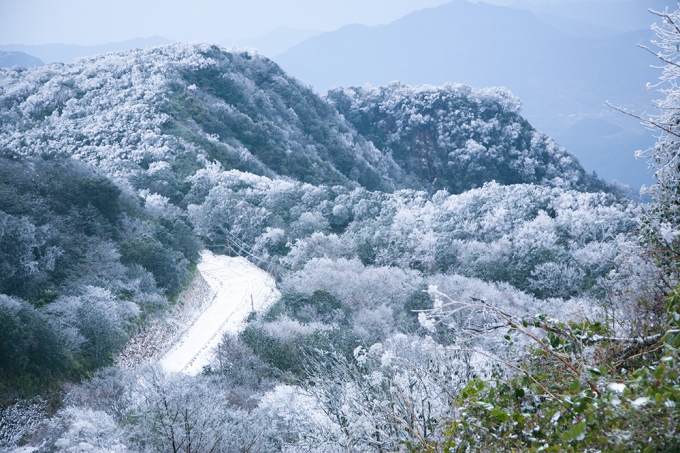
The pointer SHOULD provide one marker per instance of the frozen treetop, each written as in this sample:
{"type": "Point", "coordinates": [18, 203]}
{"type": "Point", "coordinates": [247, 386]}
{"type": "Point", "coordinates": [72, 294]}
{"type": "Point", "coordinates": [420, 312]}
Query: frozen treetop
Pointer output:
{"type": "Point", "coordinates": [182, 105]}
{"type": "Point", "coordinates": [174, 109]}
{"type": "Point", "coordinates": [456, 137]}
{"type": "Point", "coordinates": [397, 93]}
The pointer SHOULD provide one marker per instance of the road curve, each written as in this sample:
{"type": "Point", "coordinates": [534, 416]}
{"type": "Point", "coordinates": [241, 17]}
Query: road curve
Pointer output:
{"type": "Point", "coordinates": [239, 287]}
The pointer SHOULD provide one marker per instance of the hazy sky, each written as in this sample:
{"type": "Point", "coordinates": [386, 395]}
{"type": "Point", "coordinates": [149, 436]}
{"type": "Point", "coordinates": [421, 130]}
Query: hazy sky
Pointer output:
{"type": "Point", "coordinates": [99, 21]}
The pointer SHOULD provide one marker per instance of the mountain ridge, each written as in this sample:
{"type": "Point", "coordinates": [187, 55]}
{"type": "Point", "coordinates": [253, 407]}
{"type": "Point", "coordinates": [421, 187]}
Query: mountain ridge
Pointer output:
{"type": "Point", "coordinates": [179, 107]}
{"type": "Point", "coordinates": [9, 59]}
{"type": "Point", "coordinates": [68, 53]}
{"type": "Point", "coordinates": [560, 78]}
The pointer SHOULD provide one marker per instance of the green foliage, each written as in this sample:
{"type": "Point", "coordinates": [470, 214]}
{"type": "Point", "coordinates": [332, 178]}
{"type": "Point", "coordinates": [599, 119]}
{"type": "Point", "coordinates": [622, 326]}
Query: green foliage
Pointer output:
{"type": "Point", "coordinates": [51, 212]}
{"type": "Point", "coordinates": [262, 111]}
{"type": "Point", "coordinates": [283, 355]}
{"type": "Point", "coordinates": [148, 252]}
{"type": "Point", "coordinates": [31, 348]}
{"type": "Point", "coordinates": [289, 353]}
{"type": "Point", "coordinates": [62, 227]}
{"type": "Point", "coordinates": [80, 193]}
{"type": "Point", "coordinates": [606, 405]}
{"type": "Point", "coordinates": [320, 306]}
{"type": "Point", "coordinates": [240, 367]}
{"type": "Point", "coordinates": [419, 300]}
{"type": "Point", "coordinates": [103, 335]}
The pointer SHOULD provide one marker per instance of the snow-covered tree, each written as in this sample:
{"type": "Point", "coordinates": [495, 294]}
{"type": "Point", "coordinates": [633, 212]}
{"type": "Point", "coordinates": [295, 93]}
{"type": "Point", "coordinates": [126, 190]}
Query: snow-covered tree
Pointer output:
{"type": "Point", "coordinates": [662, 226]}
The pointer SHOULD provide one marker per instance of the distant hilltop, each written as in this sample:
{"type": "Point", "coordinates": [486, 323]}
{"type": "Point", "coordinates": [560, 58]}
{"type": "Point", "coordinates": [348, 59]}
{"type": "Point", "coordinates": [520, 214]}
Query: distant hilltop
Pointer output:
{"type": "Point", "coordinates": [68, 53]}
{"type": "Point", "coordinates": [183, 105]}
{"type": "Point", "coordinates": [563, 78]}
{"type": "Point", "coordinates": [11, 59]}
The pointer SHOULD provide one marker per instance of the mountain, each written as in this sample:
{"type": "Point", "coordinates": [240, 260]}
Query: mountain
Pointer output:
{"type": "Point", "coordinates": [623, 16]}
{"type": "Point", "coordinates": [67, 53]}
{"type": "Point", "coordinates": [607, 146]}
{"type": "Point", "coordinates": [575, 27]}
{"type": "Point", "coordinates": [560, 78]}
{"type": "Point", "coordinates": [277, 41]}
{"type": "Point", "coordinates": [184, 106]}
{"type": "Point", "coordinates": [154, 117]}
{"type": "Point", "coordinates": [456, 138]}
{"type": "Point", "coordinates": [9, 59]}
{"type": "Point", "coordinates": [458, 43]}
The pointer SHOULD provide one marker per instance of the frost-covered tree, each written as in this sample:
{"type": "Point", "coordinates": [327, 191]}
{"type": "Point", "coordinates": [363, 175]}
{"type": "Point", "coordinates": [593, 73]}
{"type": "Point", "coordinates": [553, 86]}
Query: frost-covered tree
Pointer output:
{"type": "Point", "coordinates": [154, 117]}
{"type": "Point", "coordinates": [455, 137]}
{"type": "Point", "coordinates": [661, 229]}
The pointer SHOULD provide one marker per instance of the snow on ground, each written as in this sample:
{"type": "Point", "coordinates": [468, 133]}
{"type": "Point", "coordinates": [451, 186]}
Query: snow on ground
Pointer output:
{"type": "Point", "coordinates": [239, 288]}
{"type": "Point", "coordinates": [161, 333]}
{"type": "Point", "coordinates": [217, 301]}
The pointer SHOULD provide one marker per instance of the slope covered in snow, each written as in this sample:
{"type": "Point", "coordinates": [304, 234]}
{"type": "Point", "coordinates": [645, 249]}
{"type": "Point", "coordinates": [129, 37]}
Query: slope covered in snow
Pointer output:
{"type": "Point", "coordinates": [169, 110]}
{"type": "Point", "coordinates": [456, 138]}
{"type": "Point", "coordinates": [152, 118]}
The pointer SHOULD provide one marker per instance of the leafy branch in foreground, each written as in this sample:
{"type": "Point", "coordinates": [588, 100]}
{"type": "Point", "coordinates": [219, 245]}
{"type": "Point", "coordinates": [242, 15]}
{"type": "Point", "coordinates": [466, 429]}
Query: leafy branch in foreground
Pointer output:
{"type": "Point", "coordinates": [584, 386]}
{"type": "Point", "coordinates": [570, 393]}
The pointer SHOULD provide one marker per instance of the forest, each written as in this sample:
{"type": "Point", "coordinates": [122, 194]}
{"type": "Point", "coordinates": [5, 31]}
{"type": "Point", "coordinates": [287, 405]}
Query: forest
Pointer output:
{"type": "Point", "coordinates": [451, 279]}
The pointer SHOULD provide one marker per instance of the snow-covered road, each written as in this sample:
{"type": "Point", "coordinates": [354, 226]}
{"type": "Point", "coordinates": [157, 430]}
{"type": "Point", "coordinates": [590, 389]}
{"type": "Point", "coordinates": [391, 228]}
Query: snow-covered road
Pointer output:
{"type": "Point", "coordinates": [239, 287]}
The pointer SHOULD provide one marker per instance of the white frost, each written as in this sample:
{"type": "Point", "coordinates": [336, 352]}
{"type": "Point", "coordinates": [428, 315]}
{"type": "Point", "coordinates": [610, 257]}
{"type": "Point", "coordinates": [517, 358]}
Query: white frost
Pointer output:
{"type": "Point", "coordinates": [617, 387]}
{"type": "Point", "coordinates": [640, 402]}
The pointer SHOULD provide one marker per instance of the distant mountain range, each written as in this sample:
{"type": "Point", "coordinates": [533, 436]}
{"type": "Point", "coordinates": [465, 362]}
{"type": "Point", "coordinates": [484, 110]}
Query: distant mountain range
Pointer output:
{"type": "Point", "coordinates": [276, 41]}
{"type": "Point", "coordinates": [10, 59]}
{"type": "Point", "coordinates": [562, 79]}
{"type": "Point", "coordinates": [67, 53]}
{"type": "Point", "coordinates": [269, 44]}
{"type": "Point", "coordinates": [621, 16]}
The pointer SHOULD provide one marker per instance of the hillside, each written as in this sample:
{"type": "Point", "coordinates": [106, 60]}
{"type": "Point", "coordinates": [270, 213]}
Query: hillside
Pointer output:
{"type": "Point", "coordinates": [140, 113]}
{"type": "Point", "coordinates": [560, 78]}
{"type": "Point", "coordinates": [457, 138]}
{"type": "Point", "coordinates": [169, 111]}
{"type": "Point", "coordinates": [414, 234]}
{"type": "Point", "coordinates": [82, 265]}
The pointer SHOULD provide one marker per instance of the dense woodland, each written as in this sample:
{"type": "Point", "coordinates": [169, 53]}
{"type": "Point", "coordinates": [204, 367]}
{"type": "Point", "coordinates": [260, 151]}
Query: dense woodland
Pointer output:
{"type": "Point", "coordinates": [451, 278]}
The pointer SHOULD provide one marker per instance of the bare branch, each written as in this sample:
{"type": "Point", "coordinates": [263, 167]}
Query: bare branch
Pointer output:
{"type": "Point", "coordinates": [645, 120]}
{"type": "Point", "coordinates": [521, 370]}
{"type": "Point", "coordinates": [659, 56]}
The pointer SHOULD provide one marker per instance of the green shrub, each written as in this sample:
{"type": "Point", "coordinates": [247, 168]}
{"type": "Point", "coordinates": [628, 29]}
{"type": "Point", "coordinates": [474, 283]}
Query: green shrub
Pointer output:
{"type": "Point", "coordinates": [284, 355]}
{"type": "Point", "coordinates": [167, 266]}
{"type": "Point", "coordinates": [31, 348]}
{"type": "Point", "coordinates": [559, 400]}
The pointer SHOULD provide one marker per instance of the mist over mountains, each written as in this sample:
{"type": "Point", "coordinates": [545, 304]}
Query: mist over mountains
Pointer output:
{"type": "Point", "coordinates": [67, 53]}
{"type": "Point", "coordinates": [561, 79]}
{"type": "Point", "coordinates": [9, 59]}
{"type": "Point", "coordinates": [617, 17]}
{"type": "Point", "coordinates": [274, 42]}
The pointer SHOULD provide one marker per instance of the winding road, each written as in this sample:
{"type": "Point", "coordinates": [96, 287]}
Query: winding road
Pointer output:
{"type": "Point", "coordinates": [239, 288]}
